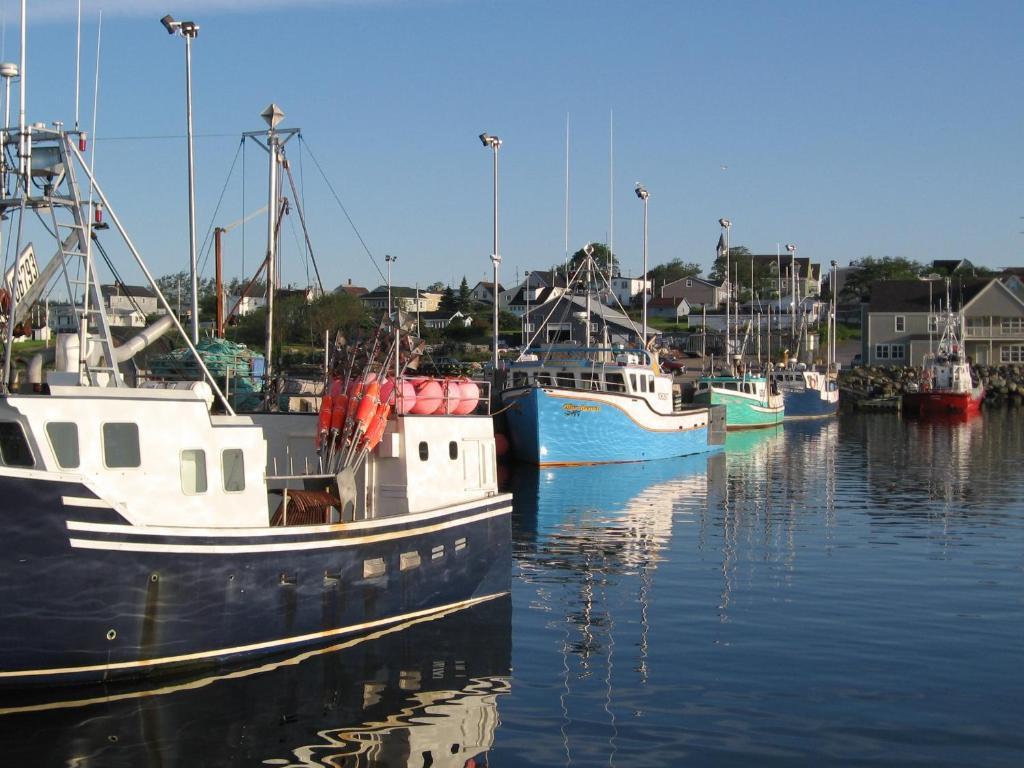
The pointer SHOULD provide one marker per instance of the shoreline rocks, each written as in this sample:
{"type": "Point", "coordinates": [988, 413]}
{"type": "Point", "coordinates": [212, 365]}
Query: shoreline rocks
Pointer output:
{"type": "Point", "coordinates": [1004, 384]}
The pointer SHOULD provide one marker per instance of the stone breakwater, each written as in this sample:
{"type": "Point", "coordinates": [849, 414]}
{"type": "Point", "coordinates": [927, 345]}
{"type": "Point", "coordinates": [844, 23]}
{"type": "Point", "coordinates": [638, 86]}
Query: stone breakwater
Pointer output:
{"type": "Point", "coordinates": [1004, 384]}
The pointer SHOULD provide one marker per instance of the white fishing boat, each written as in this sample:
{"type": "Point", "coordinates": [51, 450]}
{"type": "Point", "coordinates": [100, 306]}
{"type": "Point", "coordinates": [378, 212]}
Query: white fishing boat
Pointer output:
{"type": "Point", "coordinates": [148, 528]}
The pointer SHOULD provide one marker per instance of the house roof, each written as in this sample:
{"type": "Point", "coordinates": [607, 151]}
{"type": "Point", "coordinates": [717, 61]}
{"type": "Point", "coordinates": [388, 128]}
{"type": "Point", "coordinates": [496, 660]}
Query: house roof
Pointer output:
{"type": "Point", "coordinates": [805, 268]}
{"type": "Point", "coordinates": [665, 301]}
{"type": "Point", "coordinates": [951, 265]}
{"type": "Point", "coordinates": [138, 291]}
{"type": "Point", "coordinates": [489, 286]}
{"type": "Point", "coordinates": [912, 295]}
{"type": "Point", "coordinates": [399, 291]}
{"type": "Point", "coordinates": [551, 279]}
{"type": "Point", "coordinates": [694, 278]}
{"type": "Point", "coordinates": [440, 314]}
{"type": "Point", "coordinates": [352, 290]}
{"type": "Point", "coordinates": [543, 296]}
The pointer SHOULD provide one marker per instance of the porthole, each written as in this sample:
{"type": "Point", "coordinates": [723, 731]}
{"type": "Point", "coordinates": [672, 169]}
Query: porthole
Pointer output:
{"type": "Point", "coordinates": [424, 451]}
{"type": "Point", "coordinates": [453, 450]}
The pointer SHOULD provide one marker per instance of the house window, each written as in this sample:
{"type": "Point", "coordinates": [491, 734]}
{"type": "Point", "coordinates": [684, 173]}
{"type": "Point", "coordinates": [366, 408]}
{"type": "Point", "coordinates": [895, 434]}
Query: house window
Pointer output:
{"type": "Point", "coordinates": [890, 351]}
{"type": "Point", "coordinates": [689, 283]}
{"type": "Point", "coordinates": [63, 437]}
{"type": "Point", "coordinates": [1012, 326]}
{"type": "Point", "coordinates": [232, 466]}
{"type": "Point", "coordinates": [933, 323]}
{"type": "Point", "coordinates": [1012, 353]}
{"type": "Point", "coordinates": [901, 323]}
{"type": "Point", "coordinates": [13, 446]}
{"type": "Point", "coordinates": [121, 445]}
{"type": "Point", "coordinates": [193, 471]}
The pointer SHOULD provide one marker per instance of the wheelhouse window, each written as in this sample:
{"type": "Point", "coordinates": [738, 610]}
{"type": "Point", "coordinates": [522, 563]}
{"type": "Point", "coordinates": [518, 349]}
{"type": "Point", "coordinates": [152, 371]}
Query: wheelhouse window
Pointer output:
{"type": "Point", "coordinates": [614, 382]}
{"type": "Point", "coordinates": [63, 437]}
{"type": "Point", "coordinates": [121, 445]}
{"type": "Point", "coordinates": [632, 382]}
{"type": "Point", "coordinates": [519, 379]}
{"type": "Point", "coordinates": [13, 446]}
{"type": "Point", "coordinates": [232, 463]}
{"type": "Point", "coordinates": [193, 471]}
{"type": "Point", "coordinates": [543, 379]}
{"type": "Point", "coordinates": [565, 379]}
{"type": "Point", "coordinates": [590, 380]}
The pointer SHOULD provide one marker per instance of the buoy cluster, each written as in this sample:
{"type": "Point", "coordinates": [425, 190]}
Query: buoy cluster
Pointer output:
{"type": "Point", "coordinates": [366, 384]}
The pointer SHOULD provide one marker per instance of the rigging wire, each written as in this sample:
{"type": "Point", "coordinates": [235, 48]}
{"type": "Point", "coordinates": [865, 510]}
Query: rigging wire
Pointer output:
{"type": "Point", "coordinates": [206, 240]}
{"type": "Point", "coordinates": [343, 209]}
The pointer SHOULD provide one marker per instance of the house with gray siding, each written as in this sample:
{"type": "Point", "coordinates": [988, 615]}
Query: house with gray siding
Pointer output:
{"type": "Point", "coordinates": [697, 291]}
{"type": "Point", "coordinates": [904, 318]}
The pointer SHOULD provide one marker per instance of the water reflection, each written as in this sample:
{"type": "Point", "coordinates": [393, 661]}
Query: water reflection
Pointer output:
{"type": "Point", "coordinates": [420, 694]}
{"type": "Point", "coordinates": [840, 591]}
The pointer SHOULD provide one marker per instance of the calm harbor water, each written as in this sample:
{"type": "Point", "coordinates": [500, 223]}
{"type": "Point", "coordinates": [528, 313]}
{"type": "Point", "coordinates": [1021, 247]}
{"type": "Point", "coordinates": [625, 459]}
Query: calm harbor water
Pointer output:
{"type": "Point", "coordinates": [848, 593]}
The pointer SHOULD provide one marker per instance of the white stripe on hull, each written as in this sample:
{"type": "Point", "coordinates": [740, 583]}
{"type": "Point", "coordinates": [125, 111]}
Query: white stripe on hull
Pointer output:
{"type": "Point", "coordinates": [294, 546]}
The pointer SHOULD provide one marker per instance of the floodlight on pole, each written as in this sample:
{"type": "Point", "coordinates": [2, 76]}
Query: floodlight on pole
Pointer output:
{"type": "Point", "coordinates": [643, 194]}
{"type": "Point", "coordinates": [189, 30]}
{"type": "Point", "coordinates": [494, 143]}
{"type": "Point", "coordinates": [390, 260]}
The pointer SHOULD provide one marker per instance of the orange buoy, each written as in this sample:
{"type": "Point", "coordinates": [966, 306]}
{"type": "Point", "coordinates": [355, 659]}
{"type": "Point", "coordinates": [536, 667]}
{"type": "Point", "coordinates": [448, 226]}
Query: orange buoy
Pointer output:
{"type": "Point", "coordinates": [368, 405]}
{"type": "Point", "coordinates": [338, 411]}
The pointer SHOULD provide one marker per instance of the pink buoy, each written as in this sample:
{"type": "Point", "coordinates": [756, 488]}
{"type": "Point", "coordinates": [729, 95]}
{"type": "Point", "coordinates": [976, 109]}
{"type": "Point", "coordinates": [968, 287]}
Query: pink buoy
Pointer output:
{"type": "Point", "coordinates": [406, 398]}
{"type": "Point", "coordinates": [470, 397]}
{"type": "Point", "coordinates": [428, 397]}
{"type": "Point", "coordinates": [386, 389]}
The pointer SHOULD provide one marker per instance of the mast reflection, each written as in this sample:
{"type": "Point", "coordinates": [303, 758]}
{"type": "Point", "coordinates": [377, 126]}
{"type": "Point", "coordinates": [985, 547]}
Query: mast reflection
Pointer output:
{"type": "Point", "coordinates": [422, 693]}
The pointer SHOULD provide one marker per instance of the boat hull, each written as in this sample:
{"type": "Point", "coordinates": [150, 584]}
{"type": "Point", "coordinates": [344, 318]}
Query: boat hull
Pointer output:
{"type": "Point", "coordinates": [561, 427]}
{"type": "Point", "coordinates": [938, 402]}
{"type": "Point", "coordinates": [807, 403]}
{"type": "Point", "coordinates": [743, 412]}
{"type": "Point", "coordinates": [87, 597]}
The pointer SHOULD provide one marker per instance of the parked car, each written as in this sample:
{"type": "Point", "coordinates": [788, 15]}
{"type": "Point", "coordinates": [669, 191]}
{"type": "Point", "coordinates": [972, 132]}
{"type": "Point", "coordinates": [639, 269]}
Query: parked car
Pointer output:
{"type": "Point", "coordinates": [672, 364]}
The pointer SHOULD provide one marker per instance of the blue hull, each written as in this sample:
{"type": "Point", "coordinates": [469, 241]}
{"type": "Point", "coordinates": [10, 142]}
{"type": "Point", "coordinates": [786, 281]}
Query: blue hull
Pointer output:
{"type": "Point", "coordinates": [86, 597]}
{"type": "Point", "coordinates": [808, 404]}
{"type": "Point", "coordinates": [570, 430]}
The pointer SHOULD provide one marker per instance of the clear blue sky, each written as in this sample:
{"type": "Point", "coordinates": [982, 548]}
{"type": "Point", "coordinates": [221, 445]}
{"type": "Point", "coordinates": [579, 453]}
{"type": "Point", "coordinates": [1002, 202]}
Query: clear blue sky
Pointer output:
{"type": "Point", "coordinates": [850, 129]}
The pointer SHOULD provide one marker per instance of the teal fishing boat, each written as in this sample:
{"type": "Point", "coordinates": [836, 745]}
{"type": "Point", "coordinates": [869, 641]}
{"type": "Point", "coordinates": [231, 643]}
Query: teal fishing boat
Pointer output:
{"type": "Point", "coordinates": [750, 401]}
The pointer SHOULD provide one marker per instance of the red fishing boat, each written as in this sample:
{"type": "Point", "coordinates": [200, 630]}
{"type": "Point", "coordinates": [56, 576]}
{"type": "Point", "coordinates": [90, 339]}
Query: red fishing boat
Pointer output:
{"type": "Point", "coordinates": [947, 383]}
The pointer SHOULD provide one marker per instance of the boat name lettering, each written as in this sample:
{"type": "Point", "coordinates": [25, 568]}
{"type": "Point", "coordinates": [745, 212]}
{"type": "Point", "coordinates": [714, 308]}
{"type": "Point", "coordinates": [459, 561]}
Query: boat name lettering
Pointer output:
{"type": "Point", "coordinates": [572, 409]}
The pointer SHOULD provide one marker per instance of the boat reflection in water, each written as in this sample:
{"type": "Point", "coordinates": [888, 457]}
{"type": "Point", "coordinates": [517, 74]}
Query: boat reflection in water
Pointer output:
{"type": "Point", "coordinates": [422, 693]}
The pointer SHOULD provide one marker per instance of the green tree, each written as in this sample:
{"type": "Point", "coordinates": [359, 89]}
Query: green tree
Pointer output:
{"type": "Point", "coordinates": [449, 302]}
{"type": "Point", "coordinates": [437, 287]}
{"type": "Point", "coordinates": [673, 270]}
{"type": "Point", "coordinates": [869, 269]}
{"type": "Point", "coordinates": [600, 254]}
{"type": "Point", "coordinates": [736, 254]}
{"type": "Point", "coordinates": [465, 299]}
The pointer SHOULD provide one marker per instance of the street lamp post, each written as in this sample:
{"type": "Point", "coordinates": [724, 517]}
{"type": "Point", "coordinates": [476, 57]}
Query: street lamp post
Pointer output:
{"type": "Point", "coordinates": [189, 30]}
{"type": "Point", "coordinates": [643, 194]}
{"type": "Point", "coordinates": [726, 224]}
{"type": "Point", "coordinates": [792, 290]}
{"type": "Point", "coordinates": [390, 260]}
{"type": "Point", "coordinates": [494, 143]}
